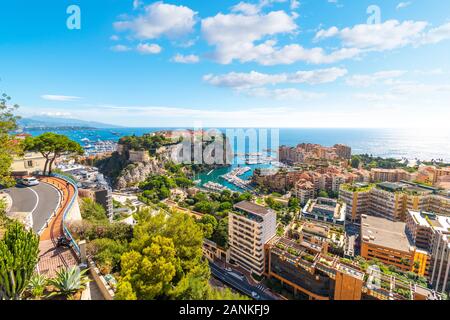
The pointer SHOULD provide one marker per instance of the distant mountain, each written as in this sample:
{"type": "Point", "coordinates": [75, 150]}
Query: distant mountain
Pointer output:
{"type": "Point", "coordinates": [57, 122]}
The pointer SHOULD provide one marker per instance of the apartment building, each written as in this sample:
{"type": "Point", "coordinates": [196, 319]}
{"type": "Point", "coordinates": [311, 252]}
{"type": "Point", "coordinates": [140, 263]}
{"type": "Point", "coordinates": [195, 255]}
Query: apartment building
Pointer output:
{"type": "Point", "coordinates": [357, 199]}
{"type": "Point", "coordinates": [389, 175]}
{"type": "Point", "coordinates": [392, 200]}
{"type": "Point", "coordinates": [304, 190]}
{"type": "Point", "coordinates": [307, 151]}
{"type": "Point", "coordinates": [310, 274]}
{"type": "Point", "coordinates": [343, 151]}
{"type": "Point", "coordinates": [440, 265]}
{"type": "Point", "coordinates": [389, 242]}
{"type": "Point", "coordinates": [312, 233]}
{"type": "Point", "coordinates": [326, 210]}
{"type": "Point", "coordinates": [431, 232]}
{"type": "Point", "coordinates": [250, 227]}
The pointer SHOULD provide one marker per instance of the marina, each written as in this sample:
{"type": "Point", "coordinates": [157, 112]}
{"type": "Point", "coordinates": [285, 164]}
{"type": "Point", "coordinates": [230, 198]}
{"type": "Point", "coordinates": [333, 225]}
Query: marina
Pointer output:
{"type": "Point", "coordinates": [233, 178]}
{"type": "Point", "coordinates": [215, 186]}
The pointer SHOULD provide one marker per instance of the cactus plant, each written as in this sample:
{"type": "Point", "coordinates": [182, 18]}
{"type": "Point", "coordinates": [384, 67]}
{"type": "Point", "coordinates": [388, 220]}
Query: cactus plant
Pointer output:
{"type": "Point", "coordinates": [19, 250]}
{"type": "Point", "coordinates": [69, 281]}
{"type": "Point", "coordinates": [36, 286]}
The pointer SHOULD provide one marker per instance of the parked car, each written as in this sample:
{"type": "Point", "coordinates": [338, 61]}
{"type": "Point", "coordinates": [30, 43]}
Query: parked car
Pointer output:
{"type": "Point", "coordinates": [29, 181]}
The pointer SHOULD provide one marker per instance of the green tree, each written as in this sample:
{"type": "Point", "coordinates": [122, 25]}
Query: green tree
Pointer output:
{"type": "Point", "coordinates": [225, 294]}
{"type": "Point", "coordinates": [294, 203]}
{"type": "Point", "coordinates": [220, 234]}
{"type": "Point", "coordinates": [323, 194]}
{"type": "Point", "coordinates": [52, 146]}
{"type": "Point", "coordinates": [8, 147]}
{"type": "Point", "coordinates": [165, 261]}
{"type": "Point", "coordinates": [209, 224]}
{"type": "Point", "coordinates": [19, 251]}
{"type": "Point", "coordinates": [92, 211]}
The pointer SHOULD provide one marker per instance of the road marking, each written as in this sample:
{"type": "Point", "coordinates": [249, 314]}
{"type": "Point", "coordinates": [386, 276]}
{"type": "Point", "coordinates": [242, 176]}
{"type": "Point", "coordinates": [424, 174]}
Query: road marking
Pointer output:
{"type": "Point", "coordinates": [37, 200]}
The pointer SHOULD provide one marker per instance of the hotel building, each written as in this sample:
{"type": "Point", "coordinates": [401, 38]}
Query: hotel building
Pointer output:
{"type": "Point", "coordinates": [250, 227]}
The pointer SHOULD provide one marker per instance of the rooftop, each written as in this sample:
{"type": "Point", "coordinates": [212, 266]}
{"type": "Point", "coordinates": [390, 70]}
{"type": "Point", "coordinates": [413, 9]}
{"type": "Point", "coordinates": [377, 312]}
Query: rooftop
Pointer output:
{"type": "Point", "coordinates": [385, 233]}
{"type": "Point", "coordinates": [431, 220]}
{"type": "Point", "coordinates": [405, 187]}
{"type": "Point", "coordinates": [253, 208]}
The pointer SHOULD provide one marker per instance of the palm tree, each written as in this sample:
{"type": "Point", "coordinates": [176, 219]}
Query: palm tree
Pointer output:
{"type": "Point", "coordinates": [69, 281]}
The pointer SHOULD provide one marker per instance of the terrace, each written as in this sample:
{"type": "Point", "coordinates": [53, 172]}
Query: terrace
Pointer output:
{"type": "Point", "coordinates": [389, 285]}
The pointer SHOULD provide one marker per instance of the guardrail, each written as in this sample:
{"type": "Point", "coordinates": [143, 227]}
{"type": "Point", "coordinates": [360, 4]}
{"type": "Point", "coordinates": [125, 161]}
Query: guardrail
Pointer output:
{"type": "Point", "coordinates": [67, 210]}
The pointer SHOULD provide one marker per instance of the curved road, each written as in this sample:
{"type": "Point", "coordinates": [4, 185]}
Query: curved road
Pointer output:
{"type": "Point", "coordinates": [41, 201]}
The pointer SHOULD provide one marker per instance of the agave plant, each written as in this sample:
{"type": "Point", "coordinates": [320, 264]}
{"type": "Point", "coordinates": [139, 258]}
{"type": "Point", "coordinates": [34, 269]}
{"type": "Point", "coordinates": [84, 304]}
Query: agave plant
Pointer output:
{"type": "Point", "coordinates": [36, 286]}
{"type": "Point", "coordinates": [69, 281]}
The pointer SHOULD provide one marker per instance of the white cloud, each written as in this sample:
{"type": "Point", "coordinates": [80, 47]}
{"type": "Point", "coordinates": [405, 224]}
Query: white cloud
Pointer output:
{"type": "Point", "coordinates": [192, 58]}
{"type": "Point", "coordinates": [295, 4]}
{"type": "Point", "coordinates": [437, 34]}
{"type": "Point", "coordinates": [257, 79]}
{"type": "Point", "coordinates": [148, 48]}
{"type": "Point", "coordinates": [389, 35]}
{"type": "Point", "coordinates": [281, 94]}
{"type": "Point", "coordinates": [114, 38]}
{"type": "Point", "coordinates": [244, 80]}
{"type": "Point", "coordinates": [246, 8]}
{"type": "Point", "coordinates": [136, 4]}
{"type": "Point", "coordinates": [387, 77]}
{"type": "Point", "coordinates": [56, 114]}
{"type": "Point", "coordinates": [160, 19]}
{"type": "Point", "coordinates": [61, 98]}
{"type": "Point", "coordinates": [403, 5]}
{"type": "Point", "coordinates": [235, 37]}
{"type": "Point", "coordinates": [120, 48]}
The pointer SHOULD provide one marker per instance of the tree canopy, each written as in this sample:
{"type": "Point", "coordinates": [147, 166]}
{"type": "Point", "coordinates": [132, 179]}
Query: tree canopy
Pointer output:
{"type": "Point", "coordinates": [52, 146]}
{"type": "Point", "coordinates": [8, 147]}
{"type": "Point", "coordinates": [165, 260]}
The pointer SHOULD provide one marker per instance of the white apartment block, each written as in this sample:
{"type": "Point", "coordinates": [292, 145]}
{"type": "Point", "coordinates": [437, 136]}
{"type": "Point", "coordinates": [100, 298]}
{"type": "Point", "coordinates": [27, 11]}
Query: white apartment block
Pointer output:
{"type": "Point", "coordinates": [250, 227]}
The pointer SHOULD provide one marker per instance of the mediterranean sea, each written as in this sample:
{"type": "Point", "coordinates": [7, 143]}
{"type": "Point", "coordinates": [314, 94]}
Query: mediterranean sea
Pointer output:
{"type": "Point", "coordinates": [409, 144]}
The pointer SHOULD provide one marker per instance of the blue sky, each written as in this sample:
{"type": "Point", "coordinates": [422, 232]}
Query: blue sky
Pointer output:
{"type": "Point", "coordinates": [266, 63]}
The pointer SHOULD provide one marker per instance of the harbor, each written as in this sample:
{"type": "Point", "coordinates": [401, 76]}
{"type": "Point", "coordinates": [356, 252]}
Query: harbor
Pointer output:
{"type": "Point", "coordinates": [233, 177]}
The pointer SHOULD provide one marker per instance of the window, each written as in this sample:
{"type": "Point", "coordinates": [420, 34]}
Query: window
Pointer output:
{"type": "Point", "coordinates": [30, 163]}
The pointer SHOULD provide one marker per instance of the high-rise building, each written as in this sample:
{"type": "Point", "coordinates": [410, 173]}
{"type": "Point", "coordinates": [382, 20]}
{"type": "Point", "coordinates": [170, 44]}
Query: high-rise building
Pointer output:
{"type": "Point", "coordinates": [431, 232]}
{"type": "Point", "coordinates": [250, 227]}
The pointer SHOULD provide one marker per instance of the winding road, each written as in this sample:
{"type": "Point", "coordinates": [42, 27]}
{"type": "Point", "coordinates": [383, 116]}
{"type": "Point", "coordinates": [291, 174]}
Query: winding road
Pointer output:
{"type": "Point", "coordinates": [40, 200]}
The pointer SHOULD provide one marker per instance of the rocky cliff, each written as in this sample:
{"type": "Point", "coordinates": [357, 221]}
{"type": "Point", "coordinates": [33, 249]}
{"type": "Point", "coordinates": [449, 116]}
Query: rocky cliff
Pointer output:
{"type": "Point", "coordinates": [135, 173]}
